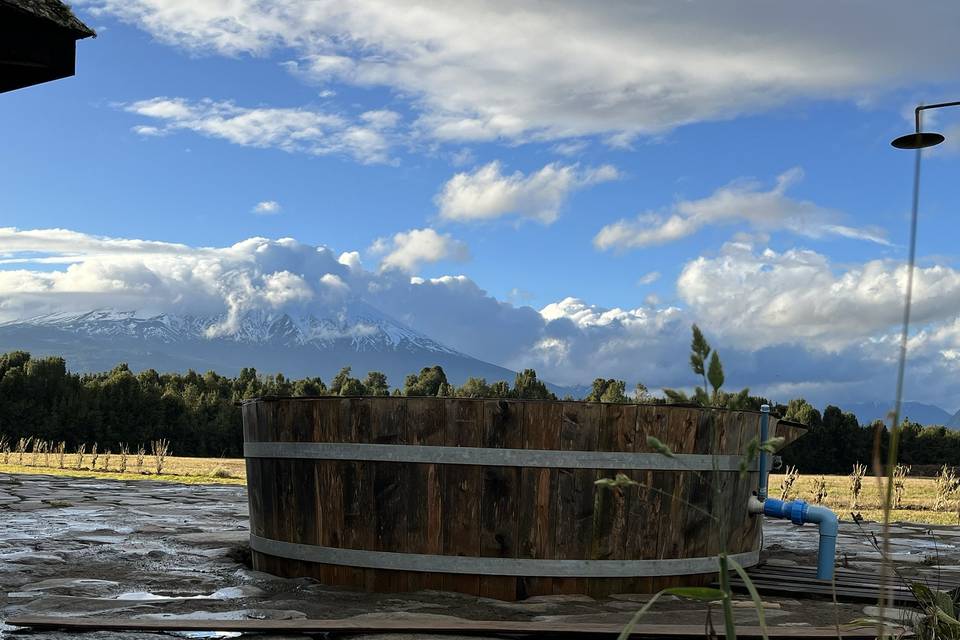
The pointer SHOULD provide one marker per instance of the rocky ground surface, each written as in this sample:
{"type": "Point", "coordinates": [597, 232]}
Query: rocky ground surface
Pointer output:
{"type": "Point", "coordinates": [87, 547]}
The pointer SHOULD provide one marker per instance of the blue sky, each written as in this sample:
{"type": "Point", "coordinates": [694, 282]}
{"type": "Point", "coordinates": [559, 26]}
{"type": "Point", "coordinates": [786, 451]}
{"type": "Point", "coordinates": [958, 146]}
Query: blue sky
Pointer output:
{"type": "Point", "coordinates": [620, 158]}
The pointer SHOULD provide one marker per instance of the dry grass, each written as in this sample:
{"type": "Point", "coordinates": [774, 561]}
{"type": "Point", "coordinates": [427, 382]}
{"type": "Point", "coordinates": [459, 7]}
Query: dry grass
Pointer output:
{"type": "Point", "coordinates": [175, 469]}
{"type": "Point", "coordinates": [917, 503]}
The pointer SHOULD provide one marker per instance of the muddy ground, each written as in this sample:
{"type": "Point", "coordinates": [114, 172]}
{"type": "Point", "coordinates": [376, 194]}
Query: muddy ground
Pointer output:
{"type": "Point", "coordinates": [87, 547]}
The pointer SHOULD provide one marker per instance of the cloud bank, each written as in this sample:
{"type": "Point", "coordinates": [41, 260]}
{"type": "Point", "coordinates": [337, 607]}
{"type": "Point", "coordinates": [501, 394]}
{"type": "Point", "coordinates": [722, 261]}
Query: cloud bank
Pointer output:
{"type": "Point", "coordinates": [786, 323]}
{"type": "Point", "coordinates": [616, 71]}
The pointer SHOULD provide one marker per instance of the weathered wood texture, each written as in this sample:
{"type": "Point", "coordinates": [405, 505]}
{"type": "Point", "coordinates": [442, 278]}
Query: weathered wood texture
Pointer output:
{"type": "Point", "coordinates": [421, 626]}
{"type": "Point", "coordinates": [493, 511]}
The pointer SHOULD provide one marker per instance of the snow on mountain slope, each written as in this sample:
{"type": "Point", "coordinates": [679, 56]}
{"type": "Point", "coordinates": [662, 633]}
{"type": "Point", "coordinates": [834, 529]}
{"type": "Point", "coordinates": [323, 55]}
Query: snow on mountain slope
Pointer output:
{"type": "Point", "coordinates": [358, 325]}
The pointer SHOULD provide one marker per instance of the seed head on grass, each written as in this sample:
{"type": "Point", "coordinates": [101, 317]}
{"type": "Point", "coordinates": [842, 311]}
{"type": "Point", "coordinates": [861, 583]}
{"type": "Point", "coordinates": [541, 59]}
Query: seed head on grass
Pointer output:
{"type": "Point", "coordinates": [106, 460]}
{"type": "Point", "coordinates": [5, 448]}
{"type": "Point", "coordinates": [140, 453]}
{"type": "Point", "coordinates": [93, 457]}
{"type": "Point", "coordinates": [61, 453]}
{"type": "Point", "coordinates": [81, 450]}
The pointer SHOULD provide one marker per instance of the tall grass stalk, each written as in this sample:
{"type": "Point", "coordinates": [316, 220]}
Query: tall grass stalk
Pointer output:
{"type": "Point", "coordinates": [856, 484]}
{"type": "Point", "coordinates": [124, 454]}
{"type": "Point", "coordinates": [22, 445]}
{"type": "Point", "coordinates": [159, 449]}
{"type": "Point", "coordinates": [790, 477]}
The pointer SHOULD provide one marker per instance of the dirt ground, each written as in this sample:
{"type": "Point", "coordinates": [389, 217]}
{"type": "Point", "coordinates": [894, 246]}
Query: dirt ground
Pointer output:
{"type": "Point", "coordinates": [94, 547]}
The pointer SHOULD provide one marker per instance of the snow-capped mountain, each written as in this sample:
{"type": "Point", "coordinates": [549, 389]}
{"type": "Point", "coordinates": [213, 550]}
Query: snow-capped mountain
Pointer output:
{"type": "Point", "coordinates": [296, 344]}
{"type": "Point", "coordinates": [365, 328]}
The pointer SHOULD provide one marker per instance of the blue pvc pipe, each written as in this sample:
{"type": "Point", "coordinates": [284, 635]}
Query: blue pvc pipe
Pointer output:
{"type": "Point", "coordinates": [799, 512]}
{"type": "Point", "coordinates": [764, 436]}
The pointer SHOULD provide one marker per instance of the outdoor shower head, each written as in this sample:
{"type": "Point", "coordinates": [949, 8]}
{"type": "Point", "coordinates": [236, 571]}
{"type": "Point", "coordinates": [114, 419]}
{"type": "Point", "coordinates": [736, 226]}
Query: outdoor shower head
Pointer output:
{"type": "Point", "coordinates": [922, 139]}
{"type": "Point", "coordinates": [918, 140]}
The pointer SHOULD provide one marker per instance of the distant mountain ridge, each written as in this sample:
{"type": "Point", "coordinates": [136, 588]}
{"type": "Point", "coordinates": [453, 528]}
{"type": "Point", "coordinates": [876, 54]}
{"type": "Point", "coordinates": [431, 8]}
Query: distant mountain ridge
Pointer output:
{"type": "Point", "coordinates": [297, 345]}
{"type": "Point", "coordinates": [925, 414]}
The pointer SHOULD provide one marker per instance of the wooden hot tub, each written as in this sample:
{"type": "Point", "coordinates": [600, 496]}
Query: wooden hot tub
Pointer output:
{"type": "Point", "coordinates": [496, 497]}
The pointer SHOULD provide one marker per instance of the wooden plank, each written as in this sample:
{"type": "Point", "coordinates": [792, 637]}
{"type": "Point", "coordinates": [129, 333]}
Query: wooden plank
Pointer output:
{"type": "Point", "coordinates": [391, 482]}
{"type": "Point", "coordinates": [428, 625]}
{"type": "Point", "coordinates": [499, 504]}
{"type": "Point", "coordinates": [620, 520]}
{"type": "Point", "coordinates": [579, 428]}
{"type": "Point", "coordinates": [536, 526]}
{"type": "Point", "coordinates": [462, 486]}
{"type": "Point", "coordinates": [357, 477]}
{"type": "Point", "coordinates": [426, 425]}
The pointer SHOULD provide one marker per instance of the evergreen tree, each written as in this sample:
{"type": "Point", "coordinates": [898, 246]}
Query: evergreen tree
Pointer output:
{"type": "Point", "coordinates": [526, 386]}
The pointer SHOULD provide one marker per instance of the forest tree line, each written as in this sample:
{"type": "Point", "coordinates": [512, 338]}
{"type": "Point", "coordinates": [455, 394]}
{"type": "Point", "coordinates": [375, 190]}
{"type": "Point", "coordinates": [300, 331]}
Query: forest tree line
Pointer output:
{"type": "Point", "coordinates": [199, 415]}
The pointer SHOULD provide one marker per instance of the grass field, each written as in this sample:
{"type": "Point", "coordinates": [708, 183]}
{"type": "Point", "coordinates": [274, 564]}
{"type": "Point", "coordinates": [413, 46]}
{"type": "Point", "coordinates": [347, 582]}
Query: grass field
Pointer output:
{"type": "Point", "coordinates": [917, 503]}
{"type": "Point", "coordinates": [175, 469]}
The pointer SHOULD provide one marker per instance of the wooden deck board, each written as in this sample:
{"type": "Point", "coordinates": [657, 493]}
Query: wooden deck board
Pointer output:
{"type": "Point", "coordinates": [427, 625]}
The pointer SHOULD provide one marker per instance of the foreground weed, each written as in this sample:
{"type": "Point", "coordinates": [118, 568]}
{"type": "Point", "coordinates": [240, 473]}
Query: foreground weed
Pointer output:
{"type": "Point", "coordinates": [81, 451]}
{"type": "Point", "coordinates": [61, 453]}
{"type": "Point", "coordinates": [4, 448]}
{"type": "Point", "coordinates": [140, 453]}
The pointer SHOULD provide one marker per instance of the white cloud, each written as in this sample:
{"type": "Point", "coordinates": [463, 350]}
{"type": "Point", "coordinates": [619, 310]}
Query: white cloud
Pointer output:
{"type": "Point", "coordinates": [487, 193]}
{"type": "Point", "coordinates": [649, 278]}
{"type": "Point", "coordinates": [408, 250]}
{"type": "Point", "coordinates": [616, 70]}
{"type": "Point", "coordinates": [570, 148]}
{"type": "Point", "coordinates": [767, 298]}
{"type": "Point", "coordinates": [267, 207]}
{"type": "Point", "coordinates": [743, 201]}
{"type": "Point", "coordinates": [292, 130]}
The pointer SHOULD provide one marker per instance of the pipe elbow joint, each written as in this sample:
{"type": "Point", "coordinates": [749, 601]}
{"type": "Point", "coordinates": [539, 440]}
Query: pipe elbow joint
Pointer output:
{"type": "Point", "coordinates": [825, 519]}
{"type": "Point", "coordinates": [799, 512]}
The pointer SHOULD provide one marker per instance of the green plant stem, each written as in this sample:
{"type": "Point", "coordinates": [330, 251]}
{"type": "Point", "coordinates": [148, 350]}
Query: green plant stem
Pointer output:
{"type": "Point", "coordinates": [730, 629]}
